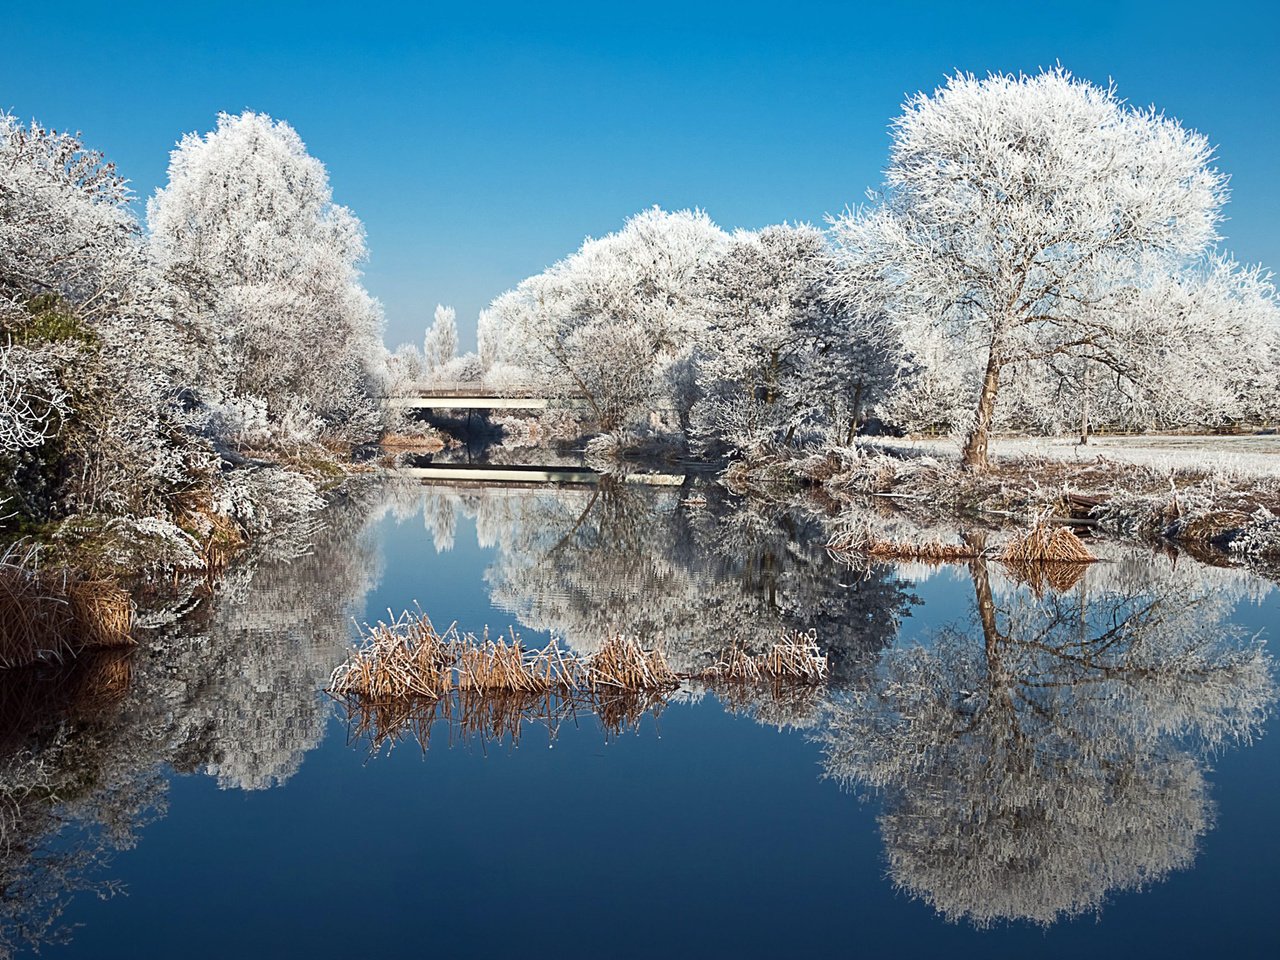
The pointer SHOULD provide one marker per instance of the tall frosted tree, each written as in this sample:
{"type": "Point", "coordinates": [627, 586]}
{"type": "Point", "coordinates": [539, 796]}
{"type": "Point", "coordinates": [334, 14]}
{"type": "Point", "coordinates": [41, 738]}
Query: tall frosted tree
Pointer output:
{"type": "Point", "coordinates": [441, 342]}
{"type": "Point", "coordinates": [1014, 210]}
{"type": "Point", "coordinates": [247, 227]}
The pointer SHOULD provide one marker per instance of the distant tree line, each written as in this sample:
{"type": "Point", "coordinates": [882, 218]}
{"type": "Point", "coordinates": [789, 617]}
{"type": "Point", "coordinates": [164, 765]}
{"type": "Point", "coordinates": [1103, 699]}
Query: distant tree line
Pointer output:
{"type": "Point", "coordinates": [1042, 257]}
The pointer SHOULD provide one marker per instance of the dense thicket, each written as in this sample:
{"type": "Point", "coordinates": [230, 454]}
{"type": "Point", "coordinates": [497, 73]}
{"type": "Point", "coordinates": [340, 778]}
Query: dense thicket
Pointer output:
{"type": "Point", "coordinates": [138, 370]}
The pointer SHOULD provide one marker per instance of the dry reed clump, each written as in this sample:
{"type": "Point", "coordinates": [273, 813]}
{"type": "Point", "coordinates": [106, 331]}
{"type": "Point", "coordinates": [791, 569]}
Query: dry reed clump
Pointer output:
{"type": "Point", "coordinates": [622, 663]}
{"type": "Point", "coordinates": [865, 543]}
{"type": "Point", "coordinates": [51, 614]}
{"type": "Point", "coordinates": [1046, 543]}
{"type": "Point", "coordinates": [795, 658]}
{"type": "Point", "coordinates": [404, 658]}
{"type": "Point", "coordinates": [407, 675]}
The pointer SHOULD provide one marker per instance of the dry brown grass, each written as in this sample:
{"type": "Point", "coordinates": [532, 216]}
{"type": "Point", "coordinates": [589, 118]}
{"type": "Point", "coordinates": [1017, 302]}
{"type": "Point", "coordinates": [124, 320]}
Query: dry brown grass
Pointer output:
{"type": "Point", "coordinates": [406, 676]}
{"type": "Point", "coordinates": [863, 542]}
{"type": "Point", "coordinates": [1046, 543]}
{"type": "Point", "coordinates": [52, 614]}
{"type": "Point", "coordinates": [622, 663]}
{"type": "Point", "coordinates": [401, 659]}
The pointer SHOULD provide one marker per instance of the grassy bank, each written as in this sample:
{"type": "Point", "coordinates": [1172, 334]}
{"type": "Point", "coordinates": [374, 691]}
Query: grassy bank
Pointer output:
{"type": "Point", "coordinates": [1208, 508]}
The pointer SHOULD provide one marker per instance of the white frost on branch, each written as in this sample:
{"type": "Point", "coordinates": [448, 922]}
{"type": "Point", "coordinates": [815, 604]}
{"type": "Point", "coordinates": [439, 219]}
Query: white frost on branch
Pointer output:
{"type": "Point", "coordinates": [32, 402]}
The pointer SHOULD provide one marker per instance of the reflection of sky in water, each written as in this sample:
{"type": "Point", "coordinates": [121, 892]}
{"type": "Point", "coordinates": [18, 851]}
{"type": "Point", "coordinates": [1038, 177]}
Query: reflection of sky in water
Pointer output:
{"type": "Point", "coordinates": [706, 833]}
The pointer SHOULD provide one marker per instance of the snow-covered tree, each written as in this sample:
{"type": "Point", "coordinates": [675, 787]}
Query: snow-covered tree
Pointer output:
{"type": "Point", "coordinates": [781, 353]}
{"type": "Point", "coordinates": [1205, 338]}
{"type": "Point", "coordinates": [90, 350]}
{"type": "Point", "coordinates": [1015, 208]}
{"type": "Point", "coordinates": [631, 296]}
{"type": "Point", "coordinates": [441, 342]}
{"type": "Point", "coordinates": [758, 293]}
{"type": "Point", "coordinates": [488, 339]}
{"type": "Point", "coordinates": [269, 268]}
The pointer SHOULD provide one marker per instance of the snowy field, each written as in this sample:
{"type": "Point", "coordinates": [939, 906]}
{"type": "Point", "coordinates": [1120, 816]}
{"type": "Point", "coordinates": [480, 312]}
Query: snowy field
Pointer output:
{"type": "Point", "coordinates": [1245, 457]}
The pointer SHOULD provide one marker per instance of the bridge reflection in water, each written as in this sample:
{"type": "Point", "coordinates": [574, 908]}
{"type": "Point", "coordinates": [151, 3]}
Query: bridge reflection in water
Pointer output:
{"type": "Point", "coordinates": [521, 475]}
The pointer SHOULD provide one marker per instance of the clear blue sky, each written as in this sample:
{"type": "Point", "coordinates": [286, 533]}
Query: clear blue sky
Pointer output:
{"type": "Point", "coordinates": [480, 142]}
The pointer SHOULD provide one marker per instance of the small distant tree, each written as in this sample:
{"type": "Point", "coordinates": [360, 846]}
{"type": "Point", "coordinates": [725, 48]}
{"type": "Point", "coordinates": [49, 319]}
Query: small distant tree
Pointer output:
{"type": "Point", "coordinates": [441, 342]}
{"type": "Point", "coordinates": [1014, 210]}
{"type": "Point", "coordinates": [488, 339]}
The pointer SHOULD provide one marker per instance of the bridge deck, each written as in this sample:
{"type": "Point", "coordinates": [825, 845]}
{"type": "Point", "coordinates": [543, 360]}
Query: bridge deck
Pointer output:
{"type": "Point", "coordinates": [468, 396]}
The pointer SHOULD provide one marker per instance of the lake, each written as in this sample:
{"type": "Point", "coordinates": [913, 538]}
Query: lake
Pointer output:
{"type": "Point", "coordinates": [1004, 762]}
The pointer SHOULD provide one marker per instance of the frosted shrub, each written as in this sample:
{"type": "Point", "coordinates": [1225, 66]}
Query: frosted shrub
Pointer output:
{"type": "Point", "coordinates": [504, 378]}
{"type": "Point", "coordinates": [159, 545]}
{"type": "Point", "coordinates": [32, 402]}
{"type": "Point", "coordinates": [1260, 537]}
{"type": "Point", "coordinates": [259, 499]}
{"type": "Point", "coordinates": [463, 369]}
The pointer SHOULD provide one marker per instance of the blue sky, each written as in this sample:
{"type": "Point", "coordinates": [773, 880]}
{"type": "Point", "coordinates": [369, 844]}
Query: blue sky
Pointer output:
{"type": "Point", "coordinates": [480, 142]}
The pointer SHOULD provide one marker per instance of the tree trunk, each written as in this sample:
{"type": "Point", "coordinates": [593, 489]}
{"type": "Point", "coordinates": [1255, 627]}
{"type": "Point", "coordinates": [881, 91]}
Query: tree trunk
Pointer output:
{"type": "Point", "coordinates": [1084, 404]}
{"type": "Point", "coordinates": [974, 455]}
{"type": "Point", "coordinates": [853, 417]}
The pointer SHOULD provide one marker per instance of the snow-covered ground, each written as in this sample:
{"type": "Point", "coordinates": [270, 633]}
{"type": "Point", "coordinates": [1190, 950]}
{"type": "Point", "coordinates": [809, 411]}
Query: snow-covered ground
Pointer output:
{"type": "Point", "coordinates": [1250, 456]}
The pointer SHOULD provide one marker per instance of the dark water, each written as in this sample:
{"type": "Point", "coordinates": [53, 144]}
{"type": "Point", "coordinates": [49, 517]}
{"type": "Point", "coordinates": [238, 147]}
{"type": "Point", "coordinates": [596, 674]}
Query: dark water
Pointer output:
{"type": "Point", "coordinates": [1085, 771]}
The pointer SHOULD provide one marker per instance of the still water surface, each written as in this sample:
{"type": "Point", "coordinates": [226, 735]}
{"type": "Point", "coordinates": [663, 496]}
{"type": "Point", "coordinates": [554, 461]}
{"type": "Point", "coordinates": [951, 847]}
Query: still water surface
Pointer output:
{"type": "Point", "coordinates": [1086, 770]}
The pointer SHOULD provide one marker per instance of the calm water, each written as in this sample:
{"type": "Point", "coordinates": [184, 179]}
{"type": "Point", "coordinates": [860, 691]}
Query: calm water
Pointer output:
{"type": "Point", "coordinates": [1086, 770]}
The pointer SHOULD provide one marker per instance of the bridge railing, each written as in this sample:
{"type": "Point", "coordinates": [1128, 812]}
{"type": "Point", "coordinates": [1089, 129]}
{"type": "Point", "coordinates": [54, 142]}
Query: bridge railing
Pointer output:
{"type": "Point", "coordinates": [477, 388]}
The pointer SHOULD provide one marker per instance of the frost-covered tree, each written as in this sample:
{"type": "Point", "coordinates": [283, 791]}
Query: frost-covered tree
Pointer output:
{"type": "Point", "coordinates": [1014, 210]}
{"type": "Point", "coordinates": [780, 353]}
{"type": "Point", "coordinates": [1206, 339]}
{"type": "Point", "coordinates": [750, 362]}
{"type": "Point", "coordinates": [269, 270]}
{"type": "Point", "coordinates": [441, 342]}
{"type": "Point", "coordinates": [90, 352]}
{"type": "Point", "coordinates": [488, 339]}
{"type": "Point", "coordinates": [615, 323]}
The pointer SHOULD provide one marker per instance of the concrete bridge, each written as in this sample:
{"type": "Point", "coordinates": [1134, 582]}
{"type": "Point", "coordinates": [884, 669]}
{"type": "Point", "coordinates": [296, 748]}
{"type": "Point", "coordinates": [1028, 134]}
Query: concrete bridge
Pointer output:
{"type": "Point", "coordinates": [466, 396]}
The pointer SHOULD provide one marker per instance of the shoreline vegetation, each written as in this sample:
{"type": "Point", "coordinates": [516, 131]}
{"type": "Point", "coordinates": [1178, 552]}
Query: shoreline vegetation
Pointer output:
{"type": "Point", "coordinates": [175, 392]}
{"type": "Point", "coordinates": [1213, 516]}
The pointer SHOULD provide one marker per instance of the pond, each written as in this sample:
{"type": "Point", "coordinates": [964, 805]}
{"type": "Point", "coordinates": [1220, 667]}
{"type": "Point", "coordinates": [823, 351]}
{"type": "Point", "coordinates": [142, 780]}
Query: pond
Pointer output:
{"type": "Point", "coordinates": [1003, 762]}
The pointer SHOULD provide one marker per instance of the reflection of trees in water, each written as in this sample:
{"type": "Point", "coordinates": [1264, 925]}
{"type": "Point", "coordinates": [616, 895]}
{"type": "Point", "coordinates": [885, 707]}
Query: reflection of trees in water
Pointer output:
{"type": "Point", "coordinates": [1027, 770]}
{"type": "Point", "coordinates": [231, 689]}
{"type": "Point", "coordinates": [1055, 753]}
{"type": "Point", "coordinates": [668, 566]}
